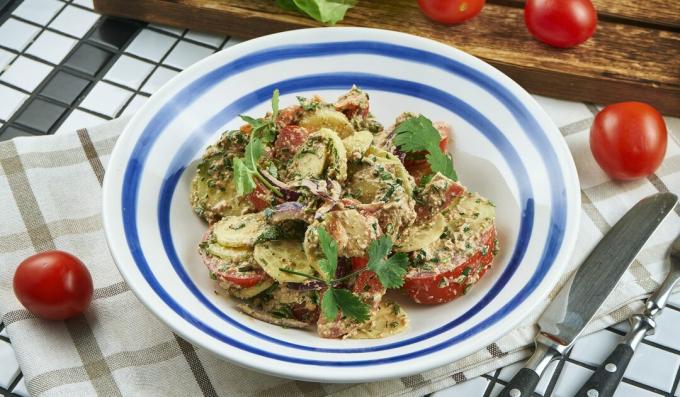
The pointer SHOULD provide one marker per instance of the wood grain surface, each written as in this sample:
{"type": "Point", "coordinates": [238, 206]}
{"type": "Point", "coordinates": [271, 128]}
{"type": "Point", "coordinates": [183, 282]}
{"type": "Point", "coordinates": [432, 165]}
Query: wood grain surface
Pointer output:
{"type": "Point", "coordinates": [658, 13]}
{"type": "Point", "coordinates": [622, 61]}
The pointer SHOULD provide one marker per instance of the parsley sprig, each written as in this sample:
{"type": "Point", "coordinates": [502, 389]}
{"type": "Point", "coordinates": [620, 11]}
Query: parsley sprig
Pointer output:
{"type": "Point", "coordinates": [246, 169]}
{"type": "Point", "coordinates": [418, 134]}
{"type": "Point", "coordinates": [265, 128]}
{"type": "Point", "coordinates": [390, 272]}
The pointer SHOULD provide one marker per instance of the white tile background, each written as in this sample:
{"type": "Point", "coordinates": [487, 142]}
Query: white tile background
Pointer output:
{"type": "Point", "coordinates": [157, 54]}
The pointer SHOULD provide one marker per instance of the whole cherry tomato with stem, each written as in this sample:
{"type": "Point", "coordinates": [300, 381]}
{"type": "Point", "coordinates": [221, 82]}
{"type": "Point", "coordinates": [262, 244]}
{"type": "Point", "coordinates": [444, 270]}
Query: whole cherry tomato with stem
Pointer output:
{"type": "Point", "coordinates": [451, 11]}
{"type": "Point", "coordinates": [628, 140]}
{"type": "Point", "coordinates": [54, 285]}
{"type": "Point", "coordinates": [561, 23]}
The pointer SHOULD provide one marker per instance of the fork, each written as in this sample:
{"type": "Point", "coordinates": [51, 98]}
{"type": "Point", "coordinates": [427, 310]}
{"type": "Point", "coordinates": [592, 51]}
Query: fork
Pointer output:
{"type": "Point", "coordinates": [607, 377]}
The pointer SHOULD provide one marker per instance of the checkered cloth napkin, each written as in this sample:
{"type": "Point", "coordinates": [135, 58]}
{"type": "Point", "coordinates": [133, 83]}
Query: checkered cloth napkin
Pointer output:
{"type": "Point", "coordinates": [50, 195]}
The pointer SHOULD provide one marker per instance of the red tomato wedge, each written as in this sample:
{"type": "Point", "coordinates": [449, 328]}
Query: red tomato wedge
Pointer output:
{"type": "Point", "coordinates": [430, 288]}
{"type": "Point", "coordinates": [244, 279]}
{"type": "Point", "coordinates": [454, 190]}
{"type": "Point", "coordinates": [289, 139]}
{"type": "Point", "coordinates": [359, 262]}
{"type": "Point", "coordinates": [258, 198]}
{"type": "Point", "coordinates": [367, 281]}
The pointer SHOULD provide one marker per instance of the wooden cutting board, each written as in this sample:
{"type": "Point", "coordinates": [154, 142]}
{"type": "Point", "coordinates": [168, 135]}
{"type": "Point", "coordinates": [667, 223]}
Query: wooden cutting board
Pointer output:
{"type": "Point", "coordinates": [634, 54]}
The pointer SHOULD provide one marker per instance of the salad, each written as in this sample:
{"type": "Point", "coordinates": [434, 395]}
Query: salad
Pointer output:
{"type": "Point", "coordinates": [316, 210]}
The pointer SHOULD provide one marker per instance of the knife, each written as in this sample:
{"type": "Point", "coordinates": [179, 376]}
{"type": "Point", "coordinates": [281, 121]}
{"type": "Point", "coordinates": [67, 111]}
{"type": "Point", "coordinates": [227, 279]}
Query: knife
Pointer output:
{"type": "Point", "coordinates": [607, 377]}
{"type": "Point", "coordinates": [577, 302]}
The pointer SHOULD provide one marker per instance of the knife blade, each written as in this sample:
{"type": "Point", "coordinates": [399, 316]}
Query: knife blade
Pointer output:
{"type": "Point", "coordinates": [579, 299]}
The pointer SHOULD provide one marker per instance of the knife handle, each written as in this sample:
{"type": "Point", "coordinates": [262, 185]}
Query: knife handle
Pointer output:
{"type": "Point", "coordinates": [606, 379]}
{"type": "Point", "coordinates": [525, 381]}
{"type": "Point", "coordinates": [522, 384]}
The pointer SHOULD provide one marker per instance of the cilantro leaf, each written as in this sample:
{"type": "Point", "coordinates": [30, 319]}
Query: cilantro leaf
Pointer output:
{"type": "Point", "coordinates": [418, 134]}
{"type": "Point", "coordinates": [330, 250]}
{"type": "Point", "coordinates": [443, 163]}
{"type": "Point", "coordinates": [265, 129]}
{"type": "Point", "coordinates": [245, 168]}
{"type": "Point", "coordinates": [325, 11]}
{"type": "Point", "coordinates": [341, 299]}
{"type": "Point", "coordinates": [329, 306]}
{"type": "Point", "coordinates": [351, 305]}
{"type": "Point", "coordinates": [390, 271]}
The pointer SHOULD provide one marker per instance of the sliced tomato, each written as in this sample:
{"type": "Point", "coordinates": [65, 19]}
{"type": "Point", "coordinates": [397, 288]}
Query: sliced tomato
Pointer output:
{"type": "Point", "coordinates": [367, 282]}
{"type": "Point", "coordinates": [259, 198]}
{"type": "Point", "coordinates": [431, 288]}
{"type": "Point", "coordinates": [290, 138]}
{"type": "Point", "coordinates": [359, 262]}
{"type": "Point", "coordinates": [444, 144]}
{"type": "Point", "coordinates": [244, 279]}
{"type": "Point", "coordinates": [444, 130]}
{"type": "Point", "coordinates": [454, 190]}
{"type": "Point", "coordinates": [289, 115]}
{"type": "Point", "coordinates": [417, 168]}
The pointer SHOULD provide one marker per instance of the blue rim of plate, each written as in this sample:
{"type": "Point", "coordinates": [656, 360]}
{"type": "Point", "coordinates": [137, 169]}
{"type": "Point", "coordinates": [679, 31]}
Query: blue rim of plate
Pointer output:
{"type": "Point", "coordinates": [199, 86]}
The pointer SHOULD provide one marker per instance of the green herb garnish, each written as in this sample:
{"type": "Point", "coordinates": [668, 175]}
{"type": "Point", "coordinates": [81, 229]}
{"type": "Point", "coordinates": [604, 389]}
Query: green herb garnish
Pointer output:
{"type": "Point", "coordinates": [390, 272]}
{"type": "Point", "coordinates": [328, 12]}
{"type": "Point", "coordinates": [265, 129]}
{"type": "Point", "coordinates": [418, 134]}
{"type": "Point", "coordinates": [245, 168]}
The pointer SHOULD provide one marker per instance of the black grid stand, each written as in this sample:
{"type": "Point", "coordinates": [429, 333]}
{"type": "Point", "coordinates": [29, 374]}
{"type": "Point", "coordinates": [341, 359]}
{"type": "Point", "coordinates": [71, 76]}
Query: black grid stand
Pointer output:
{"type": "Point", "coordinates": [61, 101]}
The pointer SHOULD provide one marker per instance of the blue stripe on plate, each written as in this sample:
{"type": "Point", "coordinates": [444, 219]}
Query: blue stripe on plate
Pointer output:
{"type": "Point", "coordinates": [197, 140]}
{"type": "Point", "coordinates": [199, 86]}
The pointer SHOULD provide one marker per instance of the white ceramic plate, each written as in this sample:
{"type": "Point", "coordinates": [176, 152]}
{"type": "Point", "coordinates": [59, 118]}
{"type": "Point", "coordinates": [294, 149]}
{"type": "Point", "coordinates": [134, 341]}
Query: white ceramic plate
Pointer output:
{"type": "Point", "coordinates": [506, 148]}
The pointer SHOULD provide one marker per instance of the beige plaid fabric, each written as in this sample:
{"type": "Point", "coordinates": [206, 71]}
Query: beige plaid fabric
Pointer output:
{"type": "Point", "coordinates": [50, 195]}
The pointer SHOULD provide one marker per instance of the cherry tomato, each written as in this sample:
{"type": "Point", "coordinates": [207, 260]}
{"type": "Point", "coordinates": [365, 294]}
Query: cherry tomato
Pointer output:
{"type": "Point", "coordinates": [54, 285]}
{"type": "Point", "coordinates": [244, 279]}
{"type": "Point", "coordinates": [560, 23]}
{"type": "Point", "coordinates": [451, 11]}
{"type": "Point", "coordinates": [435, 287]}
{"type": "Point", "coordinates": [628, 140]}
